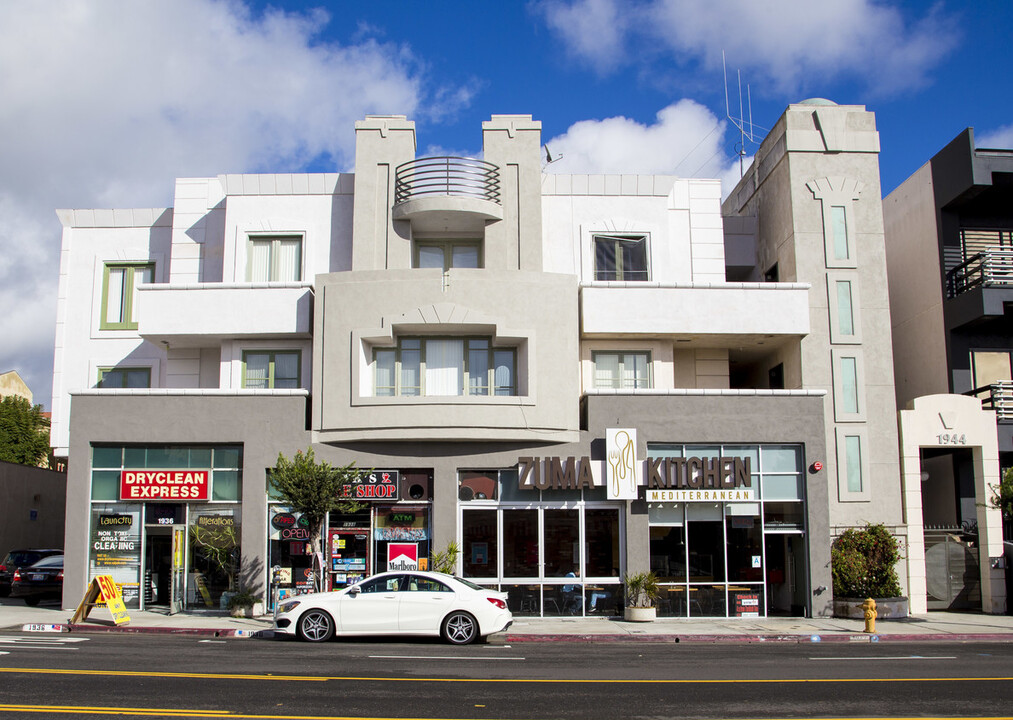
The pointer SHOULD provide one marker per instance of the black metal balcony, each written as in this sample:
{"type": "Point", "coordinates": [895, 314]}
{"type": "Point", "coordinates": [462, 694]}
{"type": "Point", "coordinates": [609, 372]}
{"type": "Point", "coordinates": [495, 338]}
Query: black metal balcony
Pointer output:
{"type": "Point", "coordinates": [988, 268]}
{"type": "Point", "coordinates": [997, 396]}
{"type": "Point", "coordinates": [446, 176]}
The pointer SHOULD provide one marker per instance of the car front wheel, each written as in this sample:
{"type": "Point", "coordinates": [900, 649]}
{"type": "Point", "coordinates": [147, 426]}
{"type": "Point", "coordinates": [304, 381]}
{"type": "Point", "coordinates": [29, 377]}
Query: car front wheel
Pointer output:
{"type": "Point", "coordinates": [460, 628]}
{"type": "Point", "coordinates": [316, 626]}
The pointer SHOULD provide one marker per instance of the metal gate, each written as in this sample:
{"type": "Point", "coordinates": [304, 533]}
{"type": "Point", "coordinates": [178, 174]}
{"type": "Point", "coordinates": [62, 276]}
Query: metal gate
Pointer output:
{"type": "Point", "coordinates": [952, 574]}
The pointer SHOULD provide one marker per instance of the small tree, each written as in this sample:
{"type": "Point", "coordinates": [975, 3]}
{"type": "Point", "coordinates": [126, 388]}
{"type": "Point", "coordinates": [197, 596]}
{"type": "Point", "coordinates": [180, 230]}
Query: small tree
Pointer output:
{"type": "Point", "coordinates": [313, 489]}
{"type": "Point", "coordinates": [445, 561]}
{"type": "Point", "coordinates": [862, 563]}
{"type": "Point", "coordinates": [24, 432]}
{"type": "Point", "coordinates": [1002, 495]}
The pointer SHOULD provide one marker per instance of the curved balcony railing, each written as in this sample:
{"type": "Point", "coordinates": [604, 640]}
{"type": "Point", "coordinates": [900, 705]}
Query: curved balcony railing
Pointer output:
{"type": "Point", "coordinates": [450, 176]}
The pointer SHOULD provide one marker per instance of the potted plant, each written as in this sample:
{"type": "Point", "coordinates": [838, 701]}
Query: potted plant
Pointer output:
{"type": "Point", "coordinates": [862, 564]}
{"type": "Point", "coordinates": [641, 595]}
{"type": "Point", "coordinates": [245, 604]}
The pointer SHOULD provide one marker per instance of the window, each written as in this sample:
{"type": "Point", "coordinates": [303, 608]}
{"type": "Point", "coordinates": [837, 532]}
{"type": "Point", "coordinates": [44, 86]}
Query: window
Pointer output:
{"type": "Point", "coordinates": [839, 229]}
{"type": "Point", "coordinates": [622, 371]}
{"type": "Point", "coordinates": [264, 369]}
{"type": "Point", "coordinates": [274, 259]}
{"type": "Point", "coordinates": [849, 385]}
{"type": "Point", "coordinates": [853, 455]}
{"type": "Point", "coordinates": [119, 293]}
{"type": "Point", "coordinates": [444, 367]}
{"type": "Point", "coordinates": [620, 257]}
{"type": "Point", "coordinates": [448, 254]}
{"type": "Point", "coordinates": [845, 315]}
{"type": "Point", "coordinates": [124, 378]}
{"type": "Point", "coordinates": [852, 464]}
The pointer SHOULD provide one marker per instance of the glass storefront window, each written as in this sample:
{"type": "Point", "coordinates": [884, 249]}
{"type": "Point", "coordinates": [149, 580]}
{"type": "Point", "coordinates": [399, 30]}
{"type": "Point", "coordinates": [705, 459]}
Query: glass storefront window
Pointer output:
{"type": "Point", "coordinates": [562, 548]}
{"type": "Point", "coordinates": [480, 550]}
{"type": "Point", "coordinates": [116, 547]}
{"type": "Point", "coordinates": [745, 549]}
{"type": "Point", "coordinates": [668, 553]}
{"type": "Point", "coordinates": [520, 543]}
{"type": "Point", "coordinates": [214, 560]}
{"type": "Point", "coordinates": [602, 542]}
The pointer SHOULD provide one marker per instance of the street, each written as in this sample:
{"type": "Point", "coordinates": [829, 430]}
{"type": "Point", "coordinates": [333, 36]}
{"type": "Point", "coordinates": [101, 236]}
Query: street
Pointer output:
{"type": "Point", "coordinates": [155, 675]}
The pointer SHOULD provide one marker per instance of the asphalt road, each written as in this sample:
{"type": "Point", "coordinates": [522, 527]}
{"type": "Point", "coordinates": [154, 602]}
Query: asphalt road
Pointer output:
{"type": "Point", "coordinates": [77, 675]}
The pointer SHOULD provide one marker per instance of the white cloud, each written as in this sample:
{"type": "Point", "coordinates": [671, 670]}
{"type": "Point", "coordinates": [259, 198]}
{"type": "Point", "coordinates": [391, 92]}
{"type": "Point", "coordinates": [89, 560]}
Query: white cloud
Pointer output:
{"type": "Point", "coordinates": [105, 103]}
{"type": "Point", "coordinates": [792, 44]}
{"type": "Point", "coordinates": [1000, 138]}
{"type": "Point", "coordinates": [687, 139]}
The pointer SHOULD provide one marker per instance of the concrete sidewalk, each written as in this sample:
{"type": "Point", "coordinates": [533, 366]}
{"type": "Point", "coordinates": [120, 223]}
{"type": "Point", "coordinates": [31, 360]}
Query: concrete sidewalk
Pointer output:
{"type": "Point", "coordinates": [15, 616]}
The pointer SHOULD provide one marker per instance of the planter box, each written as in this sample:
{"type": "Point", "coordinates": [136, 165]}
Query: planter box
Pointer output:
{"type": "Point", "coordinates": [248, 612]}
{"type": "Point", "coordinates": [886, 608]}
{"type": "Point", "coordinates": [638, 614]}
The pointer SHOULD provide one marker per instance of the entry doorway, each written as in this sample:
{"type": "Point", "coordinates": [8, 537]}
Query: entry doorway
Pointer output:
{"type": "Point", "coordinates": [158, 565]}
{"type": "Point", "coordinates": [786, 591]}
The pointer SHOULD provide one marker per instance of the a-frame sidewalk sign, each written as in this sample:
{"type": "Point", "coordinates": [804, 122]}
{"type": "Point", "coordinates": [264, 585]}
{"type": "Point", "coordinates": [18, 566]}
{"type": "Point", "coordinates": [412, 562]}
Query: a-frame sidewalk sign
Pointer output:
{"type": "Point", "coordinates": [103, 590]}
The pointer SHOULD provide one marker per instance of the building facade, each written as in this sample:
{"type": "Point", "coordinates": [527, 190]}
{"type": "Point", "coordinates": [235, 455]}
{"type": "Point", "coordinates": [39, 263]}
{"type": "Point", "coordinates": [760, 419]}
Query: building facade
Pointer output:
{"type": "Point", "coordinates": [573, 377]}
{"type": "Point", "coordinates": [950, 253]}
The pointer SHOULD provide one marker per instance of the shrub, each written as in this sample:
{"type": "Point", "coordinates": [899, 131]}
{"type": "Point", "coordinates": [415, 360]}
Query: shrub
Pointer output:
{"type": "Point", "coordinates": [243, 599]}
{"type": "Point", "coordinates": [862, 563]}
{"type": "Point", "coordinates": [641, 589]}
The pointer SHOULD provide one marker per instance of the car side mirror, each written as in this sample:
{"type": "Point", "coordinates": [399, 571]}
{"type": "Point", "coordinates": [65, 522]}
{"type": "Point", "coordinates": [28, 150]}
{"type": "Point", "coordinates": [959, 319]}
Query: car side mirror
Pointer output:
{"type": "Point", "coordinates": [354, 590]}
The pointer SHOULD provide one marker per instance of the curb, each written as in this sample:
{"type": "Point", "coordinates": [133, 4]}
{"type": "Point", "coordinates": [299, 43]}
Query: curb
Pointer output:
{"type": "Point", "coordinates": [740, 639]}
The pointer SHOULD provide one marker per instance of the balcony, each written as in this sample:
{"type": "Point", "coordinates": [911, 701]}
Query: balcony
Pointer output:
{"type": "Point", "coordinates": [988, 268]}
{"type": "Point", "coordinates": [997, 396]}
{"type": "Point", "coordinates": [739, 312]}
{"type": "Point", "coordinates": [447, 194]}
{"type": "Point", "coordinates": [199, 314]}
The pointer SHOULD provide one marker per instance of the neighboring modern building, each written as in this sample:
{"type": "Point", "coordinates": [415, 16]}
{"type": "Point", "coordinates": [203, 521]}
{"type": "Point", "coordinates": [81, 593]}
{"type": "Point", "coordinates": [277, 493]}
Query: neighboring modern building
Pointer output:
{"type": "Point", "coordinates": [572, 376]}
{"type": "Point", "coordinates": [949, 230]}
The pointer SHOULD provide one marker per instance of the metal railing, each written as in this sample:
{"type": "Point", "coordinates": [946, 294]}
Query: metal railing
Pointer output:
{"type": "Point", "coordinates": [993, 266]}
{"type": "Point", "coordinates": [997, 396]}
{"type": "Point", "coordinates": [452, 176]}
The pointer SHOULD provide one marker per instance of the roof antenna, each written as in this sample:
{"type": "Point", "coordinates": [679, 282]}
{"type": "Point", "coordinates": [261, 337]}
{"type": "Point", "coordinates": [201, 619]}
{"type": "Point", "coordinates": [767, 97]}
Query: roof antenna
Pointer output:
{"type": "Point", "coordinates": [739, 122]}
{"type": "Point", "coordinates": [548, 156]}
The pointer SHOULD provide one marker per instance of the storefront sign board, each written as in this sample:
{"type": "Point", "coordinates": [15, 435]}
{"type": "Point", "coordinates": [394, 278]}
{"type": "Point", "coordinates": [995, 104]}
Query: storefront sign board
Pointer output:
{"type": "Point", "coordinates": [623, 473]}
{"type": "Point", "coordinates": [164, 484]}
{"type": "Point", "coordinates": [376, 485]}
{"type": "Point", "coordinates": [103, 590]}
{"type": "Point", "coordinates": [721, 495]}
{"type": "Point", "coordinates": [403, 556]}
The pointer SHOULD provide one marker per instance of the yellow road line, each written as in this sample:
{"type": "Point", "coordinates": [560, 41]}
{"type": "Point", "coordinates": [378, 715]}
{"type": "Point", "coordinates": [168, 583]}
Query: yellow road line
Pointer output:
{"type": "Point", "coordinates": [560, 681]}
{"type": "Point", "coordinates": [173, 712]}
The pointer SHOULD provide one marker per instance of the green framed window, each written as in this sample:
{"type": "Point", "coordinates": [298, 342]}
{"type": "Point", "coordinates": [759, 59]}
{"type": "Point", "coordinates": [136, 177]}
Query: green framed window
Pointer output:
{"type": "Point", "coordinates": [621, 258]}
{"type": "Point", "coordinates": [271, 369]}
{"type": "Point", "coordinates": [119, 293]}
{"type": "Point", "coordinates": [447, 254]}
{"type": "Point", "coordinates": [118, 377]}
{"type": "Point", "coordinates": [274, 258]}
{"type": "Point", "coordinates": [622, 370]}
{"type": "Point", "coordinates": [440, 367]}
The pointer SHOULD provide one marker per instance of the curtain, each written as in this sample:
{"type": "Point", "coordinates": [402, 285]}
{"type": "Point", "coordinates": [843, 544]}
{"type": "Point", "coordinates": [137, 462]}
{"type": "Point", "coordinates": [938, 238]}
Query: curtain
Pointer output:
{"type": "Point", "coordinates": [444, 367]}
{"type": "Point", "coordinates": [114, 295]}
{"type": "Point", "coordinates": [288, 260]}
{"type": "Point", "coordinates": [258, 267]}
{"type": "Point", "coordinates": [257, 369]}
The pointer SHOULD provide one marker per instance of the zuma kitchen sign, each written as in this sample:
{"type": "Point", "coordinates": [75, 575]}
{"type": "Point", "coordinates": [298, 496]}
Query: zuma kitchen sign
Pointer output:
{"type": "Point", "coordinates": [164, 484]}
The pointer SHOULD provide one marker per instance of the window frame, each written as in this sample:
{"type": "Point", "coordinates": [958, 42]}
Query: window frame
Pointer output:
{"type": "Point", "coordinates": [448, 245]}
{"type": "Point", "coordinates": [127, 321]}
{"type": "Point", "coordinates": [491, 349]}
{"type": "Point", "coordinates": [617, 381]}
{"type": "Point", "coordinates": [275, 240]}
{"type": "Point", "coordinates": [844, 492]}
{"type": "Point", "coordinates": [103, 371]}
{"type": "Point", "coordinates": [271, 378]}
{"type": "Point", "coordinates": [621, 272]}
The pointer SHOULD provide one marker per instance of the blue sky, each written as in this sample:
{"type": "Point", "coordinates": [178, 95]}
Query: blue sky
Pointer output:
{"type": "Point", "coordinates": [106, 102]}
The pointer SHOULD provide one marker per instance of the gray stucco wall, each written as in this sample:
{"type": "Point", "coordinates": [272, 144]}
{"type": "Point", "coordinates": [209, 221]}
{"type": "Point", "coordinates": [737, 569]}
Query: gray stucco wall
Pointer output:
{"type": "Point", "coordinates": [25, 489]}
{"type": "Point", "coordinates": [265, 425]}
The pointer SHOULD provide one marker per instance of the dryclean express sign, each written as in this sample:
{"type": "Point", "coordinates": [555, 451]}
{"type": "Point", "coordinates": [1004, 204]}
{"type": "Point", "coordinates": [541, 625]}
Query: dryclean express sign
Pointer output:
{"type": "Point", "coordinates": [164, 484]}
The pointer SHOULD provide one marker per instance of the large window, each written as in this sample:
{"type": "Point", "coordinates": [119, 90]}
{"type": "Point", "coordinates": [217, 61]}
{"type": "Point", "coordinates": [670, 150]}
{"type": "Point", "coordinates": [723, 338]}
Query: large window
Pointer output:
{"type": "Point", "coordinates": [620, 257]}
{"type": "Point", "coordinates": [436, 367]}
{"type": "Point", "coordinates": [446, 254]}
{"type": "Point", "coordinates": [274, 258]}
{"type": "Point", "coordinates": [124, 377]}
{"type": "Point", "coordinates": [622, 370]}
{"type": "Point", "coordinates": [264, 369]}
{"type": "Point", "coordinates": [119, 293]}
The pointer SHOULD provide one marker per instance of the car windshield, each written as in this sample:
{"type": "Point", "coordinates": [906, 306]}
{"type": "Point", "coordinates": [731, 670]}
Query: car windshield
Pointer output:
{"type": "Point", "coordinates": [469, 583]}
{"type": "Point", "coordinates": [20, 559]}
{"type": "Point", "coordinates": [51, 561]}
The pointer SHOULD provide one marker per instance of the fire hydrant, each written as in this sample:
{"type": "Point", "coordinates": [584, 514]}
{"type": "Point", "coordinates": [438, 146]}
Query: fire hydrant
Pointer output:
{"type": "Point", "coordinates": [869, 606]}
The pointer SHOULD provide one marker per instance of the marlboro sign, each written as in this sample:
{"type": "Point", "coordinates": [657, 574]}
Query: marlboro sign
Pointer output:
{"type": "Point", "coordinates": [402, 556]}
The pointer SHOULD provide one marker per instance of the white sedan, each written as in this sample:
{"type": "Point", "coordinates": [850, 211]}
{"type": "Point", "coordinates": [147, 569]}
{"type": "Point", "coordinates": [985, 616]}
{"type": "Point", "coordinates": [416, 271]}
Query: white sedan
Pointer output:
{"type": "Point", "coordinates": [398, 603]}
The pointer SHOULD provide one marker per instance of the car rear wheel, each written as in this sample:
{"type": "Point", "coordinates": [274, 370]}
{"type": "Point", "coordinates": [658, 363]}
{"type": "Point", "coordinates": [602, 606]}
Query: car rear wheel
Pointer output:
{"type": "Point", "coordinates": [31, 601]}
{"type": "Point", "coordinates": [316, 626]}
{"type": "Point", "coordinates": [460, 628]}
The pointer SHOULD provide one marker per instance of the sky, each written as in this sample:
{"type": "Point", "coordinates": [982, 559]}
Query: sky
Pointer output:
{"type": "Point", "coordinates": [103, 103]}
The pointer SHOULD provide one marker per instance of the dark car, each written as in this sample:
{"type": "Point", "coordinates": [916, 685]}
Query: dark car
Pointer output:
{"type": "Point", "coordinates": [42, 580]}
{"type": "Point", "coordinates": [18, 559]}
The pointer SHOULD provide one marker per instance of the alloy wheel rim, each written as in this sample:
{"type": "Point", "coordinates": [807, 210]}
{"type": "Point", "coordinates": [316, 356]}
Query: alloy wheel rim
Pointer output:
{"type": "Point", "coordinates": [461, 628]}
{"type": "Point", "coordinates": [316, 626]}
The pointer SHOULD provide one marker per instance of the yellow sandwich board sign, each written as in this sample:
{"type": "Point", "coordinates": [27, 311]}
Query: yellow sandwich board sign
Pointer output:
{"type": "Point", "coordinates": [103, 590]}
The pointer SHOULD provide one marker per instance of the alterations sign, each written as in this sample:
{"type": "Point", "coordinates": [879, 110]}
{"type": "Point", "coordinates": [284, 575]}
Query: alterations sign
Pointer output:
{"type": "Point", "coordinates": [164, 484]}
